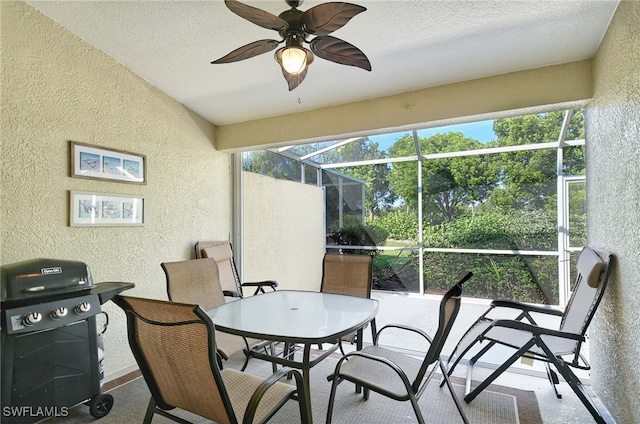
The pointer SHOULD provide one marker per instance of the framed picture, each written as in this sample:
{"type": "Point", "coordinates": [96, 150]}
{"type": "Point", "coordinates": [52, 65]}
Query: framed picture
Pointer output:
{"type": "Point", "coordinates": [105, 209]}
{"type": "Point", "coordinates": [89, 161]}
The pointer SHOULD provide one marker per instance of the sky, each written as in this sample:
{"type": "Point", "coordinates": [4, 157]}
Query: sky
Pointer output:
{"type": "Point", "coordinates": [480, 130]}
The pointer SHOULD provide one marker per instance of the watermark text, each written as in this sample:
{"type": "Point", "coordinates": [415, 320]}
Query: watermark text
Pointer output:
{"type": "Point", "coordinates": [35, 411]}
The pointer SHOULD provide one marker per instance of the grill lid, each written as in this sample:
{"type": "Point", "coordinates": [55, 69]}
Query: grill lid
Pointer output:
{"type": "Point", "coordinates": [38, 278]}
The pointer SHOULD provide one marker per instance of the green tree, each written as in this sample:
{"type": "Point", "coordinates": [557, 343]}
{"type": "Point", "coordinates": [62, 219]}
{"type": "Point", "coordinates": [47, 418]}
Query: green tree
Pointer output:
{"type": "Point", "coordinates": [450, 185]}
{"type": "Point", "coordinates": [273, 165]}
{"type": "Point", "coordinates": [528, 178]}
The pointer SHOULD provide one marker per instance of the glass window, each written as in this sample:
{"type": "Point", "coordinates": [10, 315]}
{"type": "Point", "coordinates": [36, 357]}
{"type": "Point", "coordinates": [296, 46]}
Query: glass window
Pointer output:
{"type": "Point", "coordinates": [331, 182]}
{"type": "Point", "coordinates": [577, 214]}
{"type": "Point", "coordinates": [486, 185]}
{"type": "Point", "coordinates": [396, 270]}
{"type": "Point", "coordinates": [346, 151]}
{"type": "Point", "coordinates": [268, 163]}
{"type": "Point", "coordinates": [310, 174]}
{"type": "Point", "coordinates": [532, 279]}
{"type": "Point", "coordinates": [384, 142]}
{"type": "Point", "coordinates": [500, 201]}
{"type": "Point", "coordinates": [451, 138]}
{"type": "Point", "coordinates": [305, 151]}
{"type": "Point", "coordinates": [575, 130]}
{"type": "Point", "coordinates": [352, 202]}
{"type": "Point", "coordinates": [573, 162]}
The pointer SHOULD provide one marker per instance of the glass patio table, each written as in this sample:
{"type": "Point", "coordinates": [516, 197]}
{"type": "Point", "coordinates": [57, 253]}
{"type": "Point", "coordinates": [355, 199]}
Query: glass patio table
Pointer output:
{"type": "Point", "coordinates": [296, 318]}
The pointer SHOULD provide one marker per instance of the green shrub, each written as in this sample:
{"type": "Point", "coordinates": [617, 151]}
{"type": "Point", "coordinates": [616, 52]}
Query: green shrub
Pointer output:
{"type": "Point", "coordinates": [399, 225]}
{"type": "Point", "coordinates": [495, 230]}
{"type": "Point", "coordinates": [525, 278]}
{"type": "Point", "coordinates": [511, 276]}
{"type": "Point", "coordinates": [359, 235]}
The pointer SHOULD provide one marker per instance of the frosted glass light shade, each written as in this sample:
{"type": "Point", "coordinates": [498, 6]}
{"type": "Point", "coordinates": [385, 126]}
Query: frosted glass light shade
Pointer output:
{"type": "Point", "coordinates": [292, 59]}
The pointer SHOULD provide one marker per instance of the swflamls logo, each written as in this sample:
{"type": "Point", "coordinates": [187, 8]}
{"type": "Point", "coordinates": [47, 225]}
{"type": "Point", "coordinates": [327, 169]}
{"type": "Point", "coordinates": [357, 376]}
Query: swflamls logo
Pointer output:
{"type": "Point", "coordinates": [52, 270]}
{"type": "Point", "coordinates": [35, 411]}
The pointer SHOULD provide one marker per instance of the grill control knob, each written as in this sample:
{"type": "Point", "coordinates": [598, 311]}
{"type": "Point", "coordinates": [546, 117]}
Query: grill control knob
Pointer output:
{"type": "Point", "coordinates": [59, 313]}
{"type": "Point", "coordinates": [32, 318]}
{"type": "Point", "coordinates": [83, 307]}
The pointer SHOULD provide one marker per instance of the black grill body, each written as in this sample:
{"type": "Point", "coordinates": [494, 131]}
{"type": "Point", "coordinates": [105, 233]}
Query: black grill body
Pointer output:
{"type": "Point", "coordinates": [49, 341]}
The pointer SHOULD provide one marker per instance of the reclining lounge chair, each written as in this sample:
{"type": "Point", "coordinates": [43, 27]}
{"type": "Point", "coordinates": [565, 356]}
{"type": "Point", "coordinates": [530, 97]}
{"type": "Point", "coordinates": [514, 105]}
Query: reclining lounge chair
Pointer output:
{"type": "Point", "coordinates": [528, 339]}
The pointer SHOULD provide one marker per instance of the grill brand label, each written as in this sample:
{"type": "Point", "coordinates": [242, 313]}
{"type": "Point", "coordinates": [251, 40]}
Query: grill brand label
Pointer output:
{"type": "Point", "coordinates": [51, 270]}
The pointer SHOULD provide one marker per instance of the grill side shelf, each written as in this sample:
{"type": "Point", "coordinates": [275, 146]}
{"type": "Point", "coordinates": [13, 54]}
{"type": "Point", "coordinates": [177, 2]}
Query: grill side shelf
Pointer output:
{"type": "Point", "coordinates": [107, 290]}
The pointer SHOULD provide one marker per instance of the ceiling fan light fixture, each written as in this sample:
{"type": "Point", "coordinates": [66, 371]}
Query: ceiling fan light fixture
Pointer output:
{"type": "Point", "coordinates": [294, 59]}
{"type": "Point", "coordinates": [295, 27]}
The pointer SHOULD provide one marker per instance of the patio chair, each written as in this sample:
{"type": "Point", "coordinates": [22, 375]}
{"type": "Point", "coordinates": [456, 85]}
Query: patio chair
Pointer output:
{"type": "Point", "coordinates": [174, 345]}
{"type": "Point", "coordinates": [397, 375]}
{"type": "Point", "coordinates": [528, 339]}
{"type": "Point", "coordinates": [222, 252]}
{"type": "Point", "coordinates": [197, 281]}
{"type": "Point", "coordinates": [348, 274]}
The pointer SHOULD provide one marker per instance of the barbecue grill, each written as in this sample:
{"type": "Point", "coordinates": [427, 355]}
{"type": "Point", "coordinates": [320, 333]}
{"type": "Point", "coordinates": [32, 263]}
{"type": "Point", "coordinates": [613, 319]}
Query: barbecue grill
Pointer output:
{"type": "Point", "coordinates": [49, 347]}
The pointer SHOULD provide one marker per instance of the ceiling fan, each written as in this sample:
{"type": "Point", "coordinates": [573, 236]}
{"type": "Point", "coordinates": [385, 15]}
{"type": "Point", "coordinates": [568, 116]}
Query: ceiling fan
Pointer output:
{"type": "Point", "coordinates": [296, 27]}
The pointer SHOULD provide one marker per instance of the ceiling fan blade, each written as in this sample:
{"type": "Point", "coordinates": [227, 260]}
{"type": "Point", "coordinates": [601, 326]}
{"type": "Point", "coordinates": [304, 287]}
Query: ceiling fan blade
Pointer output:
{"type": "Point", "coordinates": [248, 51]}
{"type": "Point", "coordinates": [338, 51]}
{"type": "Point", "coordinates": [257, 16]}
{"type": "Point", "coordinates": [325, 18]}
{"type": "Point", "coordinates": [294, 80]}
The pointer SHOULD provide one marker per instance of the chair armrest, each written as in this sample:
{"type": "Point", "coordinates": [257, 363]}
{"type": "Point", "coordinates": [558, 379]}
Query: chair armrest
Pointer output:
{"type": "Point", "coordinates": [230, 293]}
{"type": "Point", "coordinates": [271, 283]}
{"type": "Point", "coordinates": [254, 402]}
{"type": "Point", "coordinates": [405, 328]}
{"type": "Point", "coordinates": [525, 307]}
{"type": "Point", "coordinates": [533, 329]}
{"type": "Point", "coordinates": [260, 285]}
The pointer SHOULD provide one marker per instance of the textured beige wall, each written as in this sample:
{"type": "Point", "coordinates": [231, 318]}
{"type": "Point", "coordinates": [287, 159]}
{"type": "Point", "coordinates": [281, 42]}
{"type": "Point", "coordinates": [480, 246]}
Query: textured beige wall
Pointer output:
{"type": "Point", "coordinates": [570, 82]}
{"type": "Point", "coordinates": [57, 88]}
{"type": "Point", "coordinates": [613, 202]}
{"type": "Point", "coordinates": [283, 232]}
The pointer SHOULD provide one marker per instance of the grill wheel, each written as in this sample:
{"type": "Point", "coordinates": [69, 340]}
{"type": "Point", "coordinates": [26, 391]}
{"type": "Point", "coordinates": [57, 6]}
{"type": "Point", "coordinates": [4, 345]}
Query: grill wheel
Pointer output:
{"type": "Point", "coordinates": [100, 405]}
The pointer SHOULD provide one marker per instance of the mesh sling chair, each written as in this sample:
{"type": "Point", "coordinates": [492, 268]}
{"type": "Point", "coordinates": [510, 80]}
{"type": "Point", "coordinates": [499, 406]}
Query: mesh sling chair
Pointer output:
{"type": "Point", "coordinates": [197, 281]}
{"type": "Point", "coordinates": [222, 253]}
{"type": "Point", "coordinates": [348, 274]}
{"type": "Point", "coordinates": [528, 339]}
{"type": "Point", "coordinates": [396, 375]}
{"type": "Point", "coordinates": [174, 345]}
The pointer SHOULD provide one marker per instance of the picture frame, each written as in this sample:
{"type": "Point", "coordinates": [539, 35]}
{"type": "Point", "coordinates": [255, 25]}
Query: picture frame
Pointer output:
{"type": "Point", "coordinates": [89, 161]}
{"type": "Point", "coordinates": [88, 209]}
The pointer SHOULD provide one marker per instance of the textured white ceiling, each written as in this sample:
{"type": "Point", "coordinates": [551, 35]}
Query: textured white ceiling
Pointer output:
{"type": "Point", "coordinates": [411, 45]}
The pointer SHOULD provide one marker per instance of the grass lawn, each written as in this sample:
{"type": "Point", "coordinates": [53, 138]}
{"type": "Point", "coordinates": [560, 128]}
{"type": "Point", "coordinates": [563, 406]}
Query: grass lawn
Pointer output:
{"type": "Point", "coordinates": [394, 268]}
